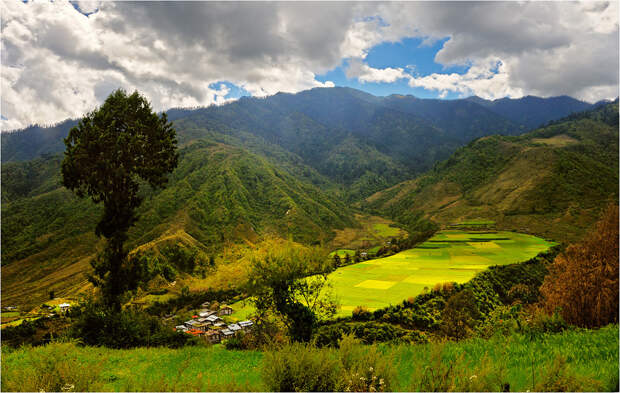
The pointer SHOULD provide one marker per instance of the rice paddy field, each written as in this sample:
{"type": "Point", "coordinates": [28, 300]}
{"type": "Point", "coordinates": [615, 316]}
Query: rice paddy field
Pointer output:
{"type": "Point", "coordinates": [449, 256]}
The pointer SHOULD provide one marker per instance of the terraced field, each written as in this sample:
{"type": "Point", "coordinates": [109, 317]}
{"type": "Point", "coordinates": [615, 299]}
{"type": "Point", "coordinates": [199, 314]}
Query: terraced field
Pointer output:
{"type": "Point", "coordinates": [451, 255]}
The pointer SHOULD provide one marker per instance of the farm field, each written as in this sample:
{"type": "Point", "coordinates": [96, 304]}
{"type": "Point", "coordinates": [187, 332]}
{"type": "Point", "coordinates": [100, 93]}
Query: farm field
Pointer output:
{"type": "Point", "coordinates": [589, 353]}
{"type": "Point", "coordinates": [449, 256]}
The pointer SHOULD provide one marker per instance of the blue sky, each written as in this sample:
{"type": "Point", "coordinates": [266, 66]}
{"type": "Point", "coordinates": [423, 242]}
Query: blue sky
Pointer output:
{"type": "Point", "coordinates": [411, 54]}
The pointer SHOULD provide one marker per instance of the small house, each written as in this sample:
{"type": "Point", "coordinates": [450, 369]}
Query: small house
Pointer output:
{"type": "Point", "coordinates": [206, 313]}
{"type": "Point", "coordinates": [226, 310]}
{"type": "Point", "coordinates": [213, 336]}
{"type": "Point", "coordinates": [245, 325]}
{"type": "Point", "coordinates": [364, 254]}
{"type": "Point", "coordinates": [234, 327]}
{"type": "Point", "coordinates": [205, 304]}
{"type": "Point", "coordinates": [227, 333]}
{"type": "Point", "coordinates": [64, 307]}
{"type": "Point", "coordinates": [219, 324]}
{"type": "Point", "coordinates": [191, 323]}
{"type": "Point", "coordinates": [213, 318]}
{"type": "Point", "coordinates": [180, 328]}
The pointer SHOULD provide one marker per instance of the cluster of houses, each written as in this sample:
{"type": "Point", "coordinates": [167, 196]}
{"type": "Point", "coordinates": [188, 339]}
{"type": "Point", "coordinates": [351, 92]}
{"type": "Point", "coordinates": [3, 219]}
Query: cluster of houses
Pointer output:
{"type": "Point", "coordinates": [209, 324]}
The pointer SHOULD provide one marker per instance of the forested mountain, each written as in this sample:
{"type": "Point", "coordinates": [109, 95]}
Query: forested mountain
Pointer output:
{"type": "Point", "coordinates": [533, 111]}
{"type": "Point", "coordinates": [289, 166]}
{"type": "Point", "coordinates": [361, 142]}
{"type": "Point", "coordinates": [552, 181]}
{"type": "Point", "coordinates": [218, 195]}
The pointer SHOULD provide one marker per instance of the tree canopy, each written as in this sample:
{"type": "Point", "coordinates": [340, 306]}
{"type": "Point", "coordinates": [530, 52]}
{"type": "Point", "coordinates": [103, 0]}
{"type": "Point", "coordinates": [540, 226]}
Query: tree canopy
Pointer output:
{"type": "Point", "coordinates": [111, 151]}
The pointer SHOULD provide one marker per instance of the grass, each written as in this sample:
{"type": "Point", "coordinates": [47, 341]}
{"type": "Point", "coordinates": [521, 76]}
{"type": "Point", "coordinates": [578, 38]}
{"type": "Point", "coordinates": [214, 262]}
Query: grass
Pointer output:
{"type": "Point", "coordinates": [588, 353]}
{"type": "Point", "coordinates": [454, 256]}
{"type": "Point", "coordinates": [9, 314]}
{"type": "Point", "coordinates": [342, 253]}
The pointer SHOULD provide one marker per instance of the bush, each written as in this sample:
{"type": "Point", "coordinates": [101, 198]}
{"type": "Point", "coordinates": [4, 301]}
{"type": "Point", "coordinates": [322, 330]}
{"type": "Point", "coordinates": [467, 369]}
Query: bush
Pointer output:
{"type": "Point", "coordinates": [539, 322]}
{"type": "Point", "coordinates": [558, 377]}
{"type": "Point", "coordinates": [455, 375]}
{"type": "Point", "coordinates": [53, 369]}
{"type": "Point", "coordinates": [353, 367]}
{"type": "Point", "coordinates": [99, 326]}
{"type": "Point", "coordinates": [301, 367]}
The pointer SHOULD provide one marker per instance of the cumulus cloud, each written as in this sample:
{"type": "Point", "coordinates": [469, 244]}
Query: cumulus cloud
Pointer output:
{"type": "Point", "coordinates": [365, 73]}
{"type": "Point", "coordinates": [60, 60]}
{"type": "Point", "coordinates": [546, 48]}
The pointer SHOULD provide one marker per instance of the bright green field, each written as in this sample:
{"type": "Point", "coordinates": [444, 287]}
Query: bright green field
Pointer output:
{"type": "Point", "coordinates": [454, 256]}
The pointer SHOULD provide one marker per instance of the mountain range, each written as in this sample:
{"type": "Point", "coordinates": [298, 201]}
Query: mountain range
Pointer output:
{"type": "Point", "coordinates": [302, 165]}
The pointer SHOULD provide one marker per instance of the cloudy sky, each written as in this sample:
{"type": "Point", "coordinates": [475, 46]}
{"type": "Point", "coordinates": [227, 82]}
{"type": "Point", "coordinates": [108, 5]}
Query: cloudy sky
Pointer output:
{"type": "Point", "coordinates": [61, 59]}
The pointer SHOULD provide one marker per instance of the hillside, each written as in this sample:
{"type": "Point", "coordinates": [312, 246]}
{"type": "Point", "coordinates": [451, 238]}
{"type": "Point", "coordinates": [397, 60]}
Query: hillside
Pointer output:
{"type": "Point", "coordinates": [551, 182]}
{"type": "Point", "coordinates": [218, 195]}
{"type": "Point", "coordinates": [361, 142]}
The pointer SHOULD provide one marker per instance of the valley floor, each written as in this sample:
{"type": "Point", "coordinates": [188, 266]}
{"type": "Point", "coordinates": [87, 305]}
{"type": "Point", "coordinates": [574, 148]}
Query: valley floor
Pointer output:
{"type": "Point", "coordinates": [589, 354]}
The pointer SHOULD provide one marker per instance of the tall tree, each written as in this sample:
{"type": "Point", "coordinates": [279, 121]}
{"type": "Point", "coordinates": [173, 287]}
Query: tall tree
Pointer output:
{"type": "Point", "coordinates": [583, 281]}
{"type": "Point", "coordinates": [108, 154]}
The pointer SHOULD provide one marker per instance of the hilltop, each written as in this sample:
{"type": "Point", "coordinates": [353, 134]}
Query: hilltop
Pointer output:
{"type": "Point", "coordinates": [552, 181]}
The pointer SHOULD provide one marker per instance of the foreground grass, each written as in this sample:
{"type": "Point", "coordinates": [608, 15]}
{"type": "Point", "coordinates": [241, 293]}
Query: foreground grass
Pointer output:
{"type": "Point", "coordinates": [591, 354]}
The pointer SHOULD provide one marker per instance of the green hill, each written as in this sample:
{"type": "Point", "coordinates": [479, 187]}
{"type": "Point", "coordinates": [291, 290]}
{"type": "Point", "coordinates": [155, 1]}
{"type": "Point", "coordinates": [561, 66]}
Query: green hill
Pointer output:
{"type": "Point", "coordinates": [218, 195]}
{"type": "Point", "coordinates": [551, 182]}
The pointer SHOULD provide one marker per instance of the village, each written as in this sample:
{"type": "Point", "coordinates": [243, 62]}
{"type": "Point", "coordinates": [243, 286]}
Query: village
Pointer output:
{"type": "Point", "coordinates": [208, 323]}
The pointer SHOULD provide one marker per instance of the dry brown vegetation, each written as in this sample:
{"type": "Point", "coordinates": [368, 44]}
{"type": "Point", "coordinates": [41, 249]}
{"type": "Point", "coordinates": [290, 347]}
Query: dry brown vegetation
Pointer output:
{"type": "Point", "coordinates": [583, 281]}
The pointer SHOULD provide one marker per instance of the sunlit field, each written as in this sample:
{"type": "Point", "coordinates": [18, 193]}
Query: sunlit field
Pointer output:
{"type": "Point", "coordinates": [449, 256]}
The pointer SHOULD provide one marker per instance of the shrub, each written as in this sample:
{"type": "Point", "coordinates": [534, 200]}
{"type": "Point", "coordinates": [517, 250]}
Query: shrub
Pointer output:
{"type": "Point", "coordinates": [361, 313]}
{"type": "Point", "coordinates": [460, 315]}
{"type": "Point", "coordinates": [353, 367]}
{"type": "Point", "coordinates": [54, 368]}
{"type": "Point", "coordinates": [301, 367]}
{"type": "Point", "coordinates": [364, 368]}
{"type": "Point", "coordinates": [99, 326]}
{"type": "Point", "coordinates": [455, 375]}
{"type": "Point", "coordinates": [558, 377]}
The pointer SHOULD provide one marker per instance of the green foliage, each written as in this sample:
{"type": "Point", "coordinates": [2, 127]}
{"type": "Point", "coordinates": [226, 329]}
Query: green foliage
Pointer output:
{"type": "Point", "coordinates": [278, 283]}
{"type": "Point", "coordinates": [53, 370]}
{"type": "Point", "coordinates": [110, 149]}
{"type": "Point", "coordinates": [99, 326]}
{"type": "Point", "coordinates": [460, 315]}
{"type": "Point", "coordinates": [353, 367]}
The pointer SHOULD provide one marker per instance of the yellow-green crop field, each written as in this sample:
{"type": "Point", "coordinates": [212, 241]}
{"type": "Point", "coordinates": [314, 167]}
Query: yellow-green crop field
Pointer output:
{"type": "Point", "coordinates": [449, 256]}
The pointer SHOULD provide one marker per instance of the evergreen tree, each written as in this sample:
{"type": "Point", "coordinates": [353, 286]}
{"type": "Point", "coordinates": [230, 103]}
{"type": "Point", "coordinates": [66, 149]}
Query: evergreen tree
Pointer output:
{"type": "Point", "coordinates": [108, 153]}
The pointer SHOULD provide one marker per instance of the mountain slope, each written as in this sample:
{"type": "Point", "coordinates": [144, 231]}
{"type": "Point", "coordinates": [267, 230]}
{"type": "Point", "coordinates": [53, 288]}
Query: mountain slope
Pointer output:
{"type": "Point", "coordinates": [361, 142]}
{"type": "Point", "coordinates": [219, 195]}
{"type": "Point", "coordinates": [551, 182]}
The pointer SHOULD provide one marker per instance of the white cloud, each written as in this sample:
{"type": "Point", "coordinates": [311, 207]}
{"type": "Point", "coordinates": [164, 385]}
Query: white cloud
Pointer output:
{"type": "Point", "coordinates": [365, 73]}
{"type": "Point", "coordinates": [59, 63]}
{"type": "Point", "coordinates": [488, 79]}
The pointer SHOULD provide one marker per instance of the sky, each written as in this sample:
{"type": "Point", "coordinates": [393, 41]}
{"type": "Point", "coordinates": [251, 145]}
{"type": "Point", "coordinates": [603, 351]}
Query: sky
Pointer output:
{"type": "Point", "coordinates": [61, 59]}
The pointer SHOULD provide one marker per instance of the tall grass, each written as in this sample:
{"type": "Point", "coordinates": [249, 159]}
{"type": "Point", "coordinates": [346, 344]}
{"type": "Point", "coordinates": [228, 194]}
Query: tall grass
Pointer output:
{"type": "Point", "coordinates": [578, 360]}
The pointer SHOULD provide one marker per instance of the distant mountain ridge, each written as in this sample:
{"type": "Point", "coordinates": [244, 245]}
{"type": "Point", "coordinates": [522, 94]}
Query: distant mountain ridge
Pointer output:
{"type": "Point", "coordinates": [362, 142]}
